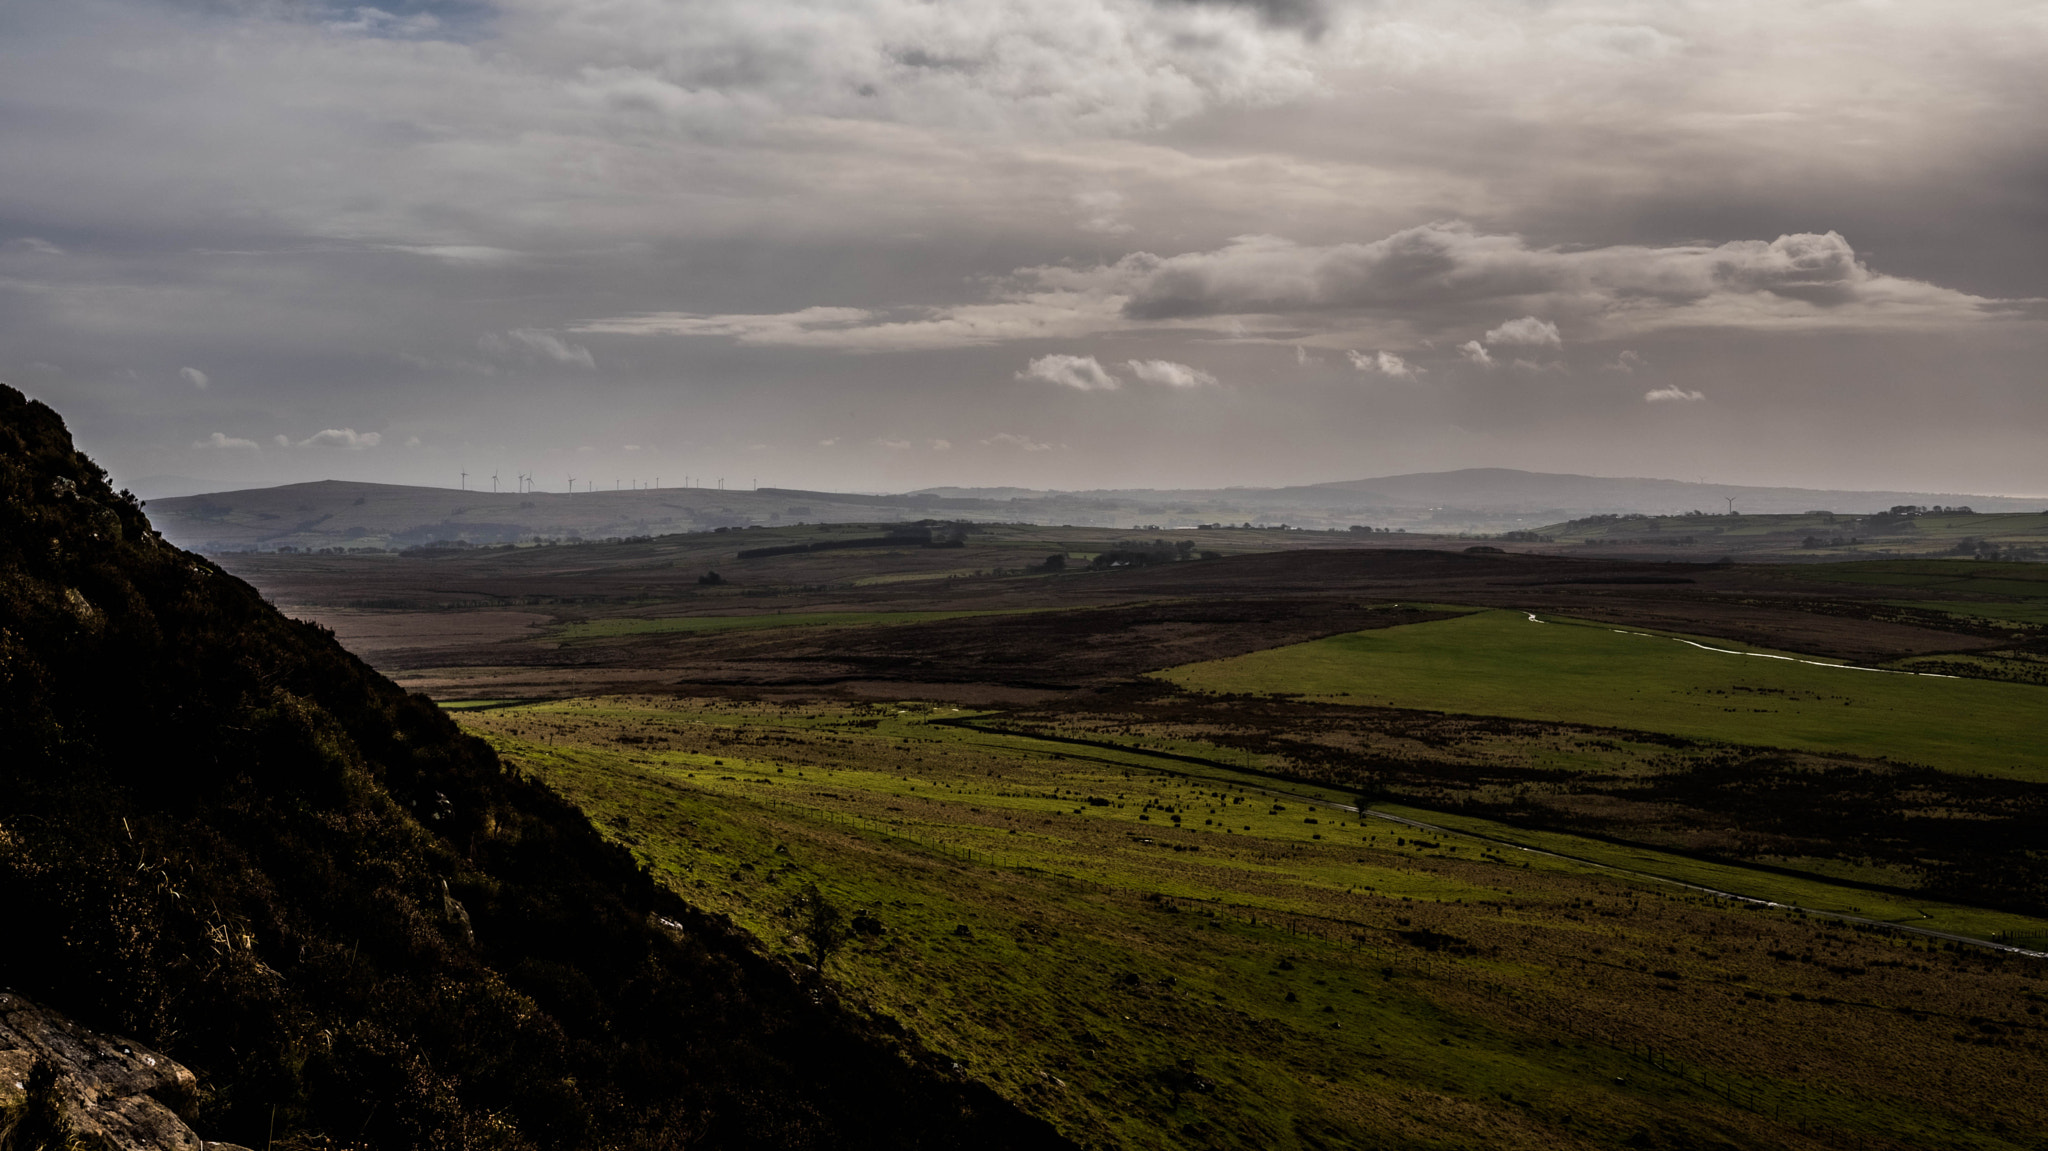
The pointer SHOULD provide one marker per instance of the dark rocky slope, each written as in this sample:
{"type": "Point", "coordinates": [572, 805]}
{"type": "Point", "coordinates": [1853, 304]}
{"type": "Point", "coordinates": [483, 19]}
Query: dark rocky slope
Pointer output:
{"type": "Point", "coordinates": [225, 836]}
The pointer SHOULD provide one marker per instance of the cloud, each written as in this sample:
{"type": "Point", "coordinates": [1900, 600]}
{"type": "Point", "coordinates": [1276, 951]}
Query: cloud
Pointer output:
{"type": "Point", "coordinates": [1170, 374]}
{"type": "Point", "coordinates": [1436, 272]}
{"type": "Point", "coordinates": [377, 22]}
{"type": "Point", "coordinates": [779, 328]}
{"type": "Point", "coordinates": [1082, 373]}
{"type": "Point", "coordinates": [534, 346]}
{"type": "Point", "coordinates": [1302, 357]}
{"type": "Point", "coordinates": [1026, 314]}
{"type": "Point", "coordinates": [460, 255]}
{"type": "Point", "coordinates": [341, 438]}
{"type": "Point", "coordinates": [1100, 212]}
{"type": "Point", "coordinates": [226, 442]}
{"type": "Point", "coordinates": [1386, 363]}
{"type": "Point", "coordinates": [1628, 361]}
{"type": "Point", "coordinates": [1419, 281]}
{"type": "Point", "coordinates": [1673, 395]}
{"type": "Point", "coordinates": [942, 445]}
{"type": "Point", "coordinates": [828, 441]}
{"type": "Point", "coordinates": [894, 445]}
{"type": "Point", "coordinates": [1527, 332]}
{"type": "Point", "coordinates": [1476, 352]}
{"type": "Point", "coordinates": [195, 377]}
{"type": "Point", "coordinates": [32, 245]}
{"type": "Point", "coordinates": [977, 64]}
{"type": "Point", "coordinates": [1013, 440]}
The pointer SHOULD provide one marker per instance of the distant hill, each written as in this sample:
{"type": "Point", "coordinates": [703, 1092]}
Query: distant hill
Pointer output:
{"type": "Point", "coordinates": [228, 838]}
{"type": "Point", "coordinates": [334, 513]}
{"type": "Point", "coordinates": [1505, 489]}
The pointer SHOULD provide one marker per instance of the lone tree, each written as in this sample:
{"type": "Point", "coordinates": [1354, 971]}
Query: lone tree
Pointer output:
{"type": "Point", "coordinates": [821, 924]}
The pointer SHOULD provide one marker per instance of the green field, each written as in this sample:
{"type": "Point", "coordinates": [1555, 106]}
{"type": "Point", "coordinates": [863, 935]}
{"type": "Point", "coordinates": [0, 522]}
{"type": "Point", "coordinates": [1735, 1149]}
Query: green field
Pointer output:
{"type": "Point", "coordinates": [624, 626]}
{"type": "Point", "coordinates": [1501, 663]}
{"type": "Point", "coordinates": [1156, 960]}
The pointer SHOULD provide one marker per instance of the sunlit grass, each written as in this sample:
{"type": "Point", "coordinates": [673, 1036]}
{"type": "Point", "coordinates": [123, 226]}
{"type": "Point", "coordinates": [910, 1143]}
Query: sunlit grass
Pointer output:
{"type": "Point", "coordinates": [1502, 663]}
{"type": "Point", "coordinates": [1273, 982]}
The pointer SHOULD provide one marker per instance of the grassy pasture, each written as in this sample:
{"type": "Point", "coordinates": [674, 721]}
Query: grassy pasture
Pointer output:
{"type": "Point", "coordinates": [1501, 663]}
{"type": "Point", "coordinates": [1806, 892]}
{"type": "Point", "coordinates": [1251, 979]}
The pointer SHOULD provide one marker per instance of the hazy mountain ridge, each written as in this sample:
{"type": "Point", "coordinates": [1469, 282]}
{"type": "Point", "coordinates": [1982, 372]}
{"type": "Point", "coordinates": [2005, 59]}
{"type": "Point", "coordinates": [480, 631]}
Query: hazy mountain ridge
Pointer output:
{"type": "Point", "coordinates": [1510, 489]}
{"type": "Point", "coordinates": [347, 514]}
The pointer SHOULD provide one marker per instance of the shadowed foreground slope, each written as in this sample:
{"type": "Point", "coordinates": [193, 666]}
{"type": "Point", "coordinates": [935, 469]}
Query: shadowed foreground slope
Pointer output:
{"type": "Point", "coordinates": [226, 836]}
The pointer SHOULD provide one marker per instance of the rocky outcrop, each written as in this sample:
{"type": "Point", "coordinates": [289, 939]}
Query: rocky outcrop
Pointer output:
{"type": "Point", "coordinates": [90, 1090]}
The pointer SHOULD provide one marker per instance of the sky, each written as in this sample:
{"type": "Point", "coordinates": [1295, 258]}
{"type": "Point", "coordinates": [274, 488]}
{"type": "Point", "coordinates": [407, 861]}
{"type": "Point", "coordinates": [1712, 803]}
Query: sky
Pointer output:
{"type": "Point", "coordinates": [877, 245]}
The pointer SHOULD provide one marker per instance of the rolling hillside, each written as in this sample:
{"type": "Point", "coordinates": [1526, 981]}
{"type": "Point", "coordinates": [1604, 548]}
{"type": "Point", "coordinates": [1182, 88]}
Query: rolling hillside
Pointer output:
{"type": "Point", "coordinates": [338, 514]}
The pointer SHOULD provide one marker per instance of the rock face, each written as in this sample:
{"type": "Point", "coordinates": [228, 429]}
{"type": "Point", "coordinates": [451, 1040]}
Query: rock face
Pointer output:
{"type": "Point", "coordinates": [100, 1092]}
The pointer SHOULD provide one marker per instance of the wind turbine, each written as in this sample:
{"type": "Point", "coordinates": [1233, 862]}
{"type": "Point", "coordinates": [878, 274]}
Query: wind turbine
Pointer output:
{"type": "Point", "coordinates": [572, 485]}
{"type": "Point", "coordinates": [465, 481]}
{"type": "Point", "coordinates": [1731, 504]}
{"type": "Point", "coordinates": [494, 481]}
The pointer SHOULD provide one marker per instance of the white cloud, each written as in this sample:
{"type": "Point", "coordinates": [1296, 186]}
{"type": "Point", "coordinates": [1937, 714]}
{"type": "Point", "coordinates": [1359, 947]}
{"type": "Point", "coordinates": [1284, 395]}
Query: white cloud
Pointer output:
{"type": "Point", "coordinates": [534, 345]}
{"type": "Point", "coordinates": [1476, 352]}
{"type": "Point", "coordinates": [1527, 332]}
{"type": "Point", "coordinates": [1386, 363]}
{"type": "Point", "coordinates": [460, 255]}
{"type": "Point", "coordinates": [828, 441]}
{"type": "Point", "coordinates": [1170, 374]}
{"type": "Point", "coordinates": [1013, 440]}
{"type": "Point", "coordinates": [1804, 281]}
{"type": "Point", "coordinates": [32, 245]}
{"type": "Point", "coordinates": [281, 440]}
{"type": "Point", "coordinates": [1628, 361]}
{"type": "Point", "coordinates": [1673, 395]}
{"type": "Point", "coordinates": [1082, 373]}
{"type": "Point", "coordinates": [782, 328]}
{"type": "Point", "coordinates": [226, 442]}
{"type": "Point", "coordinates": [1067, 66]}
{"type": "Point", "coordinates": [341, 438]}
{"type": "Point", "coordinates": [1302, 358]}
{"type": "Point", "coordinates": [195, 377]}
{"type": "Point", "coordinates": [1100, 212]}
{"type": "Point", "coordinates": [1415, 282]}
{"type": "Point", "coordinates": [1025, 314]}
{"type": "Point", "coordinates": [942, 445]}
{"type": "Point", "coordinates": [894, 445]}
